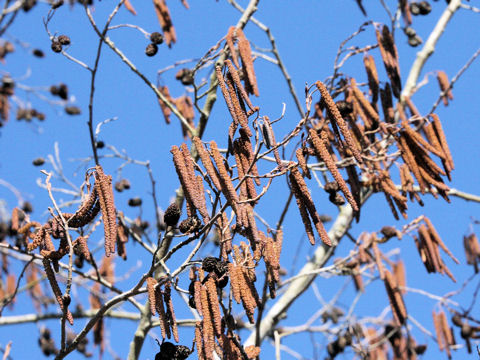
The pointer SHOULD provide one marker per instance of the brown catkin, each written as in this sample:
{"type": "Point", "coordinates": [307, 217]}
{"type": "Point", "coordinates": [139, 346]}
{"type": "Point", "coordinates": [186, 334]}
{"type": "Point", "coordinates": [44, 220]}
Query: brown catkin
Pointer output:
{"type": "Point", "coordinates": [104, 190]}
{"type": "Point", "coordinates": [167, 298]}
{"type": "Point", "coordinates": [437, 125]}
{"type": "Point", "coordinates": [369, 110]}
{"type": "Point", "coordinates": [432, 138]}
{"type": "Point", "coordinates": [247, 61]}
{"type": "Point", "coordinates": [444, 84]}
{"type": "Point", "coordinates": [56, 289]}
{"type": "Point", "coordinates": [248, 151]}
{"type": "Point", "coordinates": [337, 118]}
{"type": "Point", "coordinates": [226, 95]}
{"type": "Point", "coordinates": [238, 84]}
{"type": "Point", "coordinates": [162, 316]}
{"type": "Point", "coordinates": [234, 282]}
{"type": "Point", "coordinates": [303, 212]}
{"type": "Point", "coordinates": [372, 75]}
{"type": "Point", "coordinates": [166, 111]}
{"type": "Point", "coordinates": [207, 162]}
{"type": "Point", "coordinates": [431, 248]}
{"type": "Point", "coordinates": [414, 136]}
{"type": "Point", "coordinates": [15, 220]}
{"type": "Point", "coordinates": [151, 282]}
{"type": "Point", "coordinates": [437, 323]}
{"type": "Point", "coordinates": [387, 104]}
{"type": "Point", "coordinates": [39, 239]}
{"type": "Point", "coordinates": [305, 193]}
{"type": "Point", "coordinates": [165, 20]}
{"type": "Point", "coordinates": [436, 237]}
{"type": "Point", "coordinates": [303, 162]}
{"type": "Point", "coordinates": [409, 159]}
{"type": "Point", "coordinates": [214, 306]}
{"type": "Point", "coordinates": [197, 295]}
{"type": "Point", "coordinates": [396, 300]}
{"type": "Point", "coordinates": [247, 293]}
{"type": "Point", "coordinates": [239, 111]}
{"type": "Point", "coordinates": [199, 340]}
{"type": "Point", "coordinates": [208, 332]}
{"type": "Point", "coordinates": [230, 42]}
{"type": "Point", "coordinates": [188, 186]}
{"type": "Point", "coordinates": [399, 273]}
{"type": "Point", "coordinates": [323, 154]}
{"type": "Point", "coordinates": [447, 335]}
{"type": "Point", "coordinates": [227, 186]}
{"type": "Point", "coordinates": [198, 196]}
{"type": "Point", "coordinates": [378, 260]}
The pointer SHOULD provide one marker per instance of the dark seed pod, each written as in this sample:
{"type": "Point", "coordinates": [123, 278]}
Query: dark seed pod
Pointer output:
{"type": "Point", "coordinates": [64, 40]}
{"type": "Point", "coordinates": [209, 264]}
{"type": "Point", "coordinates": [344, 107]}
{"type": "Point", "coordinates": [73, 110]}
{"type": "Point", "coordinates": [54, 90]}
{"type": "Point", "coordinates": [156, 38]}
{"type": "Point", "coordinates": [185, 76]}
{"type": "Point", "coordinates": [151, 49]}
{"type": "Point", "coordinates": [56, 46]}
{"type": "Point", "coordinates": [119, 186]}
{"type": "Point", "coordinates": [331, 187]}
{"type": "Point", "coordinates": [62, 91]}
{"type": "Point", "coordinates": [126, 184]}
{"type": "Point", "coordinates": [414, 8]}
{"type": "Point", "coordinates": [172, 215]}
{"type": "Point", "coordinates": [38, 161]}
{"type": "Point", "coordinates": [28, 5]}
{"type": "Point", "coordinates": [133, 202]}
{"type": "Point", "coordinates": [190, 225]}
{"type": "Point", "coordinates": [388, 231]}
{"type": "Point", "coordinates": [457, 320]}
{"type": "Point", "coordinates": [409, 31]}
{"type": "Point", "coordinates": [337, 199]}
{"type": "Point", "coordinates": [414, 41]}
{"type": "Point", "coordinates": [100, 144]}
{"type": "Point", "coordinates": [27, 207]}
{"type": "Point", "coordinates": [182, 353]}
{"type": "Point", "coordinates": [425, 7]}
{"type": "Point", "coordinates": [38, 53]}
{"type": "Point", "coordinates": [466, 331]}
{"type": "Point", "coordinates": [40, 116]}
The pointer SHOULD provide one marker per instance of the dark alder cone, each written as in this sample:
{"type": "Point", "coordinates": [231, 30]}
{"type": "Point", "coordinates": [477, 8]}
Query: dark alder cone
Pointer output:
{"type": "Point", "coordinates": [209, 264]}
{"type": "Point", "coordinates": [100, 144]}
{"type": "Point", "coordinates": [182, 353]}
{"type": "Point", "coordinates": [73, 110]}
{"type": "Point", "coordinates": [62, 91]}
{"type": "Point", "coordinates": [222, 282]}
{"type": "Point", "coordinates": [151, 49]}
{"type": "Point", "coordinates": [38, 53]}
{"type": "Point", "coordinates": [425, 7]}
{"type": "Point", "coordinates": [134, 202]}
{"type": "Point", "coordinates": [172, 215]}
{"type": "Point", "coordinates": [28, 5]}
{"type": "Point", "coordinates": [40, 116]}
{"type": "Point", "coordinates": [191, 302]}
{"type": "Point", "coordinates": [38, 161]}
{"type": "Point", "coordinates": [54, 90]}
{"type": "Point", "coordinates": [414, 8]}
{"type": "Point", "coordinates": [56, 46]}
{"type": "Point", "coordinates": [156, 38]}
{"type": "Point", "coordinates": [409, 31]}
{"type": "Point", "coordinates": [331, 187]}
{"type": "Point", "coordinates": [414, 41]}
{"type": "Point", "coordinates": [27, 207]}
{"type": "Point", "coordinates": [167, 351]}
{"type": "Point", "coordinates": [336, 198]}
{"type": "Point", "coordinates": [344, 107]}
{"type": "Point", "coordinates": [388, 231]}
{"type": "Point", "coordinates": [185, 76]}
{"type": "Point", "coordinates": [190, 225]}
{"type": "Point", "coordinates": [64, 40]}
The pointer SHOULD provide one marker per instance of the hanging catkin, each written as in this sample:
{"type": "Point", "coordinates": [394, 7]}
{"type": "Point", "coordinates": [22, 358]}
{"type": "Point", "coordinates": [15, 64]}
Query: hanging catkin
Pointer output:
{"type": "Point", "coordinates": [337, 118]}
{"type": "Point", "coordinates": [104, 191]}
{"type": "Point", "coordinates": [323, 154]}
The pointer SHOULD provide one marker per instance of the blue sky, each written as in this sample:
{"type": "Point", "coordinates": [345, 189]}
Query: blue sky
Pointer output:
{"type": "Point", "coordinates": [307, 34]}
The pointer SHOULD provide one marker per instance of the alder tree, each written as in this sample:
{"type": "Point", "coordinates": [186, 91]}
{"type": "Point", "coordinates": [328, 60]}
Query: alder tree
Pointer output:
{"type": "Point", "coordinates": [246, 231]}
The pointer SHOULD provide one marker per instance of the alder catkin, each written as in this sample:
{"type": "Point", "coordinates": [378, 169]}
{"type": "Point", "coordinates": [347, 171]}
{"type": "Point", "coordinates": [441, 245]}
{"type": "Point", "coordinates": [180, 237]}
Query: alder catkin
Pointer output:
{"type": "Point", "coordinates": [104, 190]}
